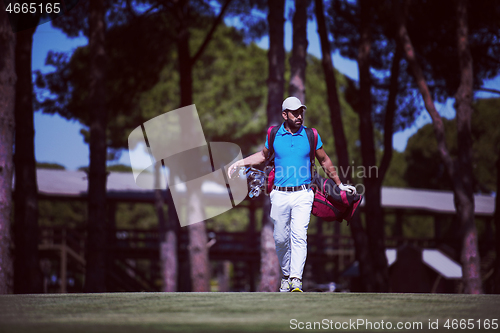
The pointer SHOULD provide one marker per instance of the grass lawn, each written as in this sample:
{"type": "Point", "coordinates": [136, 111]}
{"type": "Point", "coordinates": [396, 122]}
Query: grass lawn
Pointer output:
{"type": "Point", "coordinates": [244, 312]}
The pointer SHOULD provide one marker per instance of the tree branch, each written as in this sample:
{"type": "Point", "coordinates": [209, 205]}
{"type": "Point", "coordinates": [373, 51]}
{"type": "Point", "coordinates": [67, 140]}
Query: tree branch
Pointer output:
{"type": "Point", "coordinates": [390, 112]}
{"type": "Point", "coordinates": [416, 70]}
{"type": "Point", "coordinates": [210, 33]}
{"type": "Point", "coordinates": [331, 86]}
{"type": "Point", "coordinates": [494, 91]}
{"type": "Point", "coordinates": [129, 9]}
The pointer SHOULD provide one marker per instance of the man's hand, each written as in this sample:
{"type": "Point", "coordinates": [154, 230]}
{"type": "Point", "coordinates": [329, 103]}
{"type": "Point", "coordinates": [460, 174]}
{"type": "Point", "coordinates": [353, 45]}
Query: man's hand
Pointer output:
{"type": "Point", "coordinates": [233, 168]}
{"type": "Point", "coordinates": [348, 188]}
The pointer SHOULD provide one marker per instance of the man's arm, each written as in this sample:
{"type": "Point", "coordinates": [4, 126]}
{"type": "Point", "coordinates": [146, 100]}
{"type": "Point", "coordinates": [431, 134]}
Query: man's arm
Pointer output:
{"type": "Point", "coordinates": [254, 159]}
{"type": "Point", "coordinates": [327, 165]}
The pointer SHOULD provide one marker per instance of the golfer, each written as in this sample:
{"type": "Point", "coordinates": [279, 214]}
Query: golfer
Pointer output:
{"type": "Point", "coordinates": [291, 197]}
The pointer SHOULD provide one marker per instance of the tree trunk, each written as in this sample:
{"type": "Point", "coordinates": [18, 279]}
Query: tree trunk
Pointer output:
{"type": "Point", "coordinates": [298, 61]}
{"type": "Point", "coordinates": [169, 249]}
{"type": "Point", "coordinates": [7, 102]}
{"type": "Point", "coordinates": [270, 271]}
{"type": "Point", "coordinates": [464, 196]}
{"type": "Point", "coordinates": [198, 251]}
{"type": "Point", "coordinates": [27, 273]}
{"type": "Point", "coordinates": [437, 122]}
{"type": "Point", "coordinates": [496, 274]}
{"type": "Point", "coordinates": [331, 87]}
{"type": "Point", "coordinates": [461, 178]}
{"type": "Point", "coordinates": [168, 236]}
{"type": "Point", "coordinates": [276, 59]}
{"type": "Point", "coordinates": [358, 233]}
{"type": "Point", "coordinates": [95, 275]}
{"type": "Point", "coordinates": [373, 209]}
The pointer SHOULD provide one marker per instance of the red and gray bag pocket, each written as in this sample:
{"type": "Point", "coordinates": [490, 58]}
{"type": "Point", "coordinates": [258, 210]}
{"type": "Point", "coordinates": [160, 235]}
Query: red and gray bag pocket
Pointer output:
{"type": "Point", "coordinates": [332, 204]}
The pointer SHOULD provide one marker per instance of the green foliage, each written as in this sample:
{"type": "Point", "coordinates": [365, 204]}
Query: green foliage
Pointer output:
{"type": "Point", "coordinates": [229, 86]}
{"type": "Point", "coordinates": [71, 214]}
{"type": "Point", "coordinates": [234, 220]}
{"type": "Point", "coordinates": [415, 226]}
{"type": "Point", "coordinates": [111, 168]}
{"type": "Point", "coordinates": [395, 175]}
{"type": "Point", "coordinates": [119, 168]}
{"type": "Point", "coordinates": [136, 53]}
{"type": "Point", "coordinates": [486, 146]}
{"type": "Point", "coordinates": [56, 213]}
{"type": "Point", "coordinates": [424, 166]}
{"type": "Point", "coordinates": [318, 113]}
{"type": "Point", "coordinates": [432, 29]}
{"type": "Point", "coordinates": [230, 91]}
{"type": "Point", "coordinates": [136, 216]}
{"type": "Point", "coordinates": [49, 165]}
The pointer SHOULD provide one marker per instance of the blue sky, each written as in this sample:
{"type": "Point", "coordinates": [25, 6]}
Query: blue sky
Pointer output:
{"type": "Point", "coordinates": [59, 141]}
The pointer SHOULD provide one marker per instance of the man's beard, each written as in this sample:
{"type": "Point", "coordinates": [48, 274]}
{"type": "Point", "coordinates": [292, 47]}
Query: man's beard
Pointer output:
{"type": "Point", "coordinates": [294, 125]}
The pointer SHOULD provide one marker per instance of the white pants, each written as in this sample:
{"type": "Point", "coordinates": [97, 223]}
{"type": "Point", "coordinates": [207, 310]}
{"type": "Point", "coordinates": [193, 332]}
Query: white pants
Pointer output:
{"type": "Point", "coordinates": [291, 212]}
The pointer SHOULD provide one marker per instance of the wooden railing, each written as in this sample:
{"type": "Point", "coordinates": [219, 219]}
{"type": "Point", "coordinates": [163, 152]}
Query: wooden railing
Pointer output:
{"type": "Point", "coordinates": [133, 254]}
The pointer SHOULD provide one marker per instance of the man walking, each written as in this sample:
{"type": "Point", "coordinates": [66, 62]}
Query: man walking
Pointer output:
{"type": "Point", "coordinates": [291, 197]}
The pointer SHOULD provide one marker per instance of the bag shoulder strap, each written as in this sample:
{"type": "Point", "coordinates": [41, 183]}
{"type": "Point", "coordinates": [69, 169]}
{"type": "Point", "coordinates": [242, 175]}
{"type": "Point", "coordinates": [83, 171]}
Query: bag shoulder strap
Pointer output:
{"type": "Point", "coordinates": [315, 141]}
{"type": "Point", "coordinates": [312, 136]}
{"type": "Point", "coordinates": [271, 135]}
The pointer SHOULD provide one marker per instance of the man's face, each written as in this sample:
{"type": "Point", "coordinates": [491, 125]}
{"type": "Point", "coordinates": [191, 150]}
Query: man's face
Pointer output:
{"type": "Point", "coordinates": [294, 118]}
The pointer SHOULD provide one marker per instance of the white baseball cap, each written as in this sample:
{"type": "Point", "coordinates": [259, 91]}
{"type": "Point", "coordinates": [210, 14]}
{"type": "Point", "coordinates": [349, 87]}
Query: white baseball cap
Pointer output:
{"type": "Point", "coordinates": [292, 103]}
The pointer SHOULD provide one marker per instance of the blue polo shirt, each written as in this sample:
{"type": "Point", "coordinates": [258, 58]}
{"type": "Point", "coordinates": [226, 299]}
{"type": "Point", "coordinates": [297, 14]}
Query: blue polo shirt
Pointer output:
{"type": "Point", "coordinates": [291, 157]}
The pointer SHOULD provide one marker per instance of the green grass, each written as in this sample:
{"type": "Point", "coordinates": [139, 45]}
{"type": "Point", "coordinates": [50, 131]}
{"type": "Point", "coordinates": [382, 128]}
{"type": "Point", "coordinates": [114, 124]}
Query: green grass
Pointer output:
{"type": "Point", "coordinates": [235, 312]}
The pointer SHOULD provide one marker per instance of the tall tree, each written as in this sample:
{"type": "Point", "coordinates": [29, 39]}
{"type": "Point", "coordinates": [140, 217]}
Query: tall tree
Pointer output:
{"type": "Point", "coordinates": [168, 234]}
{"type": "Point", "coordinates": [298, 59]}
{"type": "Point", "coordinates": [132, 72]}
{"type": "Point", "coordinates": [168, 248]}
{"type": "Point", "coordinates": [359, 235]}
{"type": "Point", "coordinates": [383, 102]}
{"type": "Point", "coordinates": [269, 266]}
{"type": "Point", "coordinates": [198, 250]}
{"type": "Point", "coordinates": [95, 273]}
{"type": "Point", "coordinates": [461, 179]}
{"type": "Point", "coordinates": [7, 102]}
{"type": "Point", "coordinates": [464, 197]}
{"type": "Point", "coordinates": [27, 273]}
{"type": "Point", "coordinates": [373, 209]}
